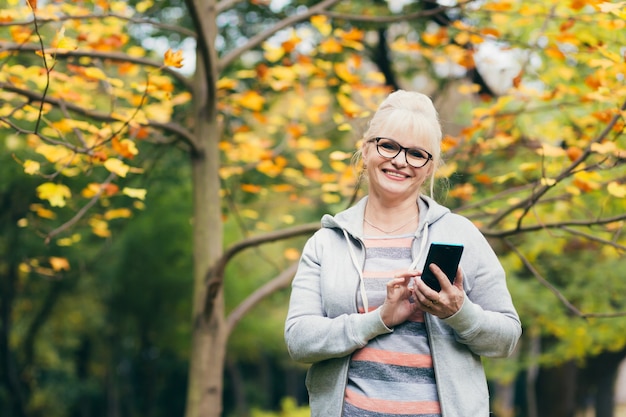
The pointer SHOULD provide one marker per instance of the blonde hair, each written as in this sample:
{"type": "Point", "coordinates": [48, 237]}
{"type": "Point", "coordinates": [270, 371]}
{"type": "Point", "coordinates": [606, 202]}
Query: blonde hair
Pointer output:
{"type": "Point", "coordinates": [413, 112]}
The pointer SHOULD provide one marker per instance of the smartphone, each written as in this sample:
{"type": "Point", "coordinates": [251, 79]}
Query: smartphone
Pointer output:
{"type": "Point", "coordinates": [447, 257]}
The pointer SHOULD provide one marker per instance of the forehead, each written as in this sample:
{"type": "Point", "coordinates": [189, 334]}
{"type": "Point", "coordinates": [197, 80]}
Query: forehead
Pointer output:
{"type": "Point", "coordinates": [407, 137]}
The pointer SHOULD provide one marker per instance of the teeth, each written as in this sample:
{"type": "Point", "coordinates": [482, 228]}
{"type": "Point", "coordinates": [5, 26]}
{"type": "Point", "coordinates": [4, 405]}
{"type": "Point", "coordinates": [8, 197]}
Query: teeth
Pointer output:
{"type": "Point", "coordinates": [395, 174]}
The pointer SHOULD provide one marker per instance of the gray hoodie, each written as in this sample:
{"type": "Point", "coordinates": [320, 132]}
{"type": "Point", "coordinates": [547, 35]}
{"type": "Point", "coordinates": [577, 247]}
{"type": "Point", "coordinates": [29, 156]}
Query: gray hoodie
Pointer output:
{"type": "Point", "coordinates": [324, 328]}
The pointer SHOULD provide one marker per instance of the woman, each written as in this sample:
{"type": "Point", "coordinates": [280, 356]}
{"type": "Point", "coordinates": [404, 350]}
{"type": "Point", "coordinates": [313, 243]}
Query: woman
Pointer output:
{"type": "Point", "coordinates": [381, 342]}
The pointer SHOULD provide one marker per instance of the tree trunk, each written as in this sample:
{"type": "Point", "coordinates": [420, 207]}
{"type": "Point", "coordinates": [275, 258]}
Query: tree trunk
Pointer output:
{"type": "Point", "coordinates": [209, 330]}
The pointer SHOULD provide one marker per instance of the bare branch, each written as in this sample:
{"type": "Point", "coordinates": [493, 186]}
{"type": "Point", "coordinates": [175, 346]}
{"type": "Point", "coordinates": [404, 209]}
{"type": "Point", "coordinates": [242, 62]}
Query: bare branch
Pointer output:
{"type": "Point", "coordinates": [169, 28]}
{"type": "Point", "coordinates": [556, 292]}
{"type": "Point", "coordinates": [260, 240]}
{"type": "Point", "coordinates": [79, 215]}
{"type": "Point", "coordinates": [172, 128]}
{"type": "Point", "coordinates": [395, 18]}
{"type": "Point", "coordinates": [542, 280]}
{"type": "Point", "coordinates": [556, 225]}
{"type": "Point", "coordinates": [255, 41]}
{"type": "Point", "coordinates": [224, 5]}
{"type": "Point", "coordinates": [277, 283]}
{"type": "Point", "coordinates": [112, 56]}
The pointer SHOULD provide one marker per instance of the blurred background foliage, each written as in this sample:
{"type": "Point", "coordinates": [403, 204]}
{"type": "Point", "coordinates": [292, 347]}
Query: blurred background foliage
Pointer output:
{"type": "Point", "coordinates": [111, 335]}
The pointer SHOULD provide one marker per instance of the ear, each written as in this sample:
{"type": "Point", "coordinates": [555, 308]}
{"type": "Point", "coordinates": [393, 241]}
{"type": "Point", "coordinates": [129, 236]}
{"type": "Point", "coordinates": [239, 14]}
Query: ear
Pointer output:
{"type": "Point", "coordinates": [365, 150]}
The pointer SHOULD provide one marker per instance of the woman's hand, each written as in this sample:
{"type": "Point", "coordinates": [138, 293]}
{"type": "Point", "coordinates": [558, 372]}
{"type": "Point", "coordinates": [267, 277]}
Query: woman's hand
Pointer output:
{"type": "Point", "coordinates": [400, 302]}
{"type": "Point", "coordinates": [445, 303]}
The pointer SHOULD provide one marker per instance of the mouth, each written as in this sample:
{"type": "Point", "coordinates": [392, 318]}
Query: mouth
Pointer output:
{"type": "Point", "coordinates": [395, 174]}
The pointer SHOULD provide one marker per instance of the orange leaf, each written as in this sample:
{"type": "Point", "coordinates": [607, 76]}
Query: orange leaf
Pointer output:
{"type": "Point", "coordinates": [59, 263]}
{"type": "Point", "coordinates": [251, 188]}
{"type": "Point", "coordinates": [330, 46]}
{"type": "Point", "coordinates": [173, 59]}
{"type": "Point", "coordinates": [32, 4]}
{"type": "Point", "coordinates": [573, 153]}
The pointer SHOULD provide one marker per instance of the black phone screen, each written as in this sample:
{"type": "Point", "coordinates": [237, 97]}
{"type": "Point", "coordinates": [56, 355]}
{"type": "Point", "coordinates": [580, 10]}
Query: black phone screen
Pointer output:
{"type": "Point", "coordinates": [447, 257]}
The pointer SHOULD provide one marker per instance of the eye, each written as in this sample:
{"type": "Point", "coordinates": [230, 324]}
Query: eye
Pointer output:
{"type": "Point", "coordinates": [417, 154]}
{"type": "Point", "coordinates": [387, 145]}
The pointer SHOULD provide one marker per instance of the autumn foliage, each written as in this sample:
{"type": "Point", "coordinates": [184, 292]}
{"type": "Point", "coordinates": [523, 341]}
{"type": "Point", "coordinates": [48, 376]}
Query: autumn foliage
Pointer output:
{"type": "Point", "coordinates": [531, 93]}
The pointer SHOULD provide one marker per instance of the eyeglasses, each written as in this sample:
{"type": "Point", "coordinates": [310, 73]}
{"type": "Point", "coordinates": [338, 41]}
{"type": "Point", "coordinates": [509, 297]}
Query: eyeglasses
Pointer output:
{"type": "Point", "coordinates": [389, 148]}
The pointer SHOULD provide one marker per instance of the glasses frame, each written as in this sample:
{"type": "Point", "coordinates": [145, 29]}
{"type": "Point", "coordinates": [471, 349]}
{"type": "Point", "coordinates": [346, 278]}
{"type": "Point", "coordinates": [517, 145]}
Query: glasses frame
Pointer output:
{"type": "Point", "coordinates": [402, 148]}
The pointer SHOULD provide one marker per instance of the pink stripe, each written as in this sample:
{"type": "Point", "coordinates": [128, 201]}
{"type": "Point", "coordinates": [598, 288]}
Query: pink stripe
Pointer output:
{"type": "Point", "coordinates": [392, 407]}
{"type": "Point", "coordinates": [411, 360]}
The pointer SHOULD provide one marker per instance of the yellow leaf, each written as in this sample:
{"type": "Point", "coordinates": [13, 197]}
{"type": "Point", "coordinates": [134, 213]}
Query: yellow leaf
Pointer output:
{"type": "Point", "coordinates": [550, 150]}
{"type": "Point", "coordinates": [467, 89]}
{"type": "Point", "coordinates": [59, 264]}
{"type": "Point", "coordinates": [343, 72]}
{"type": "Point", "coordinates": [138, 193]}
{"type": "Point", "coordinates": [117, 167]}
{"type": "Point", "coordinates": [54, 193]}
{"type": "Point", "coordinates": [95, 73]}
{"type": "Point", "coordinates": [142, 6]}
{"type": "Point", "coordinates": [351, 108]}
{"type": "Point", "coordinates": [69, 241]}
{"type": "Point", "coordinates": [616, 189]}
{"type": "Point", "coordinates": [320, 22]}
{"type": "Point", "coordinates": [308, 160]}
{"type": "Point", "coordinates": [117, 213]}
{"type": "Point", "coordinates": [53, 153]}
{"type": "Point", "coordinates": [60, 42]}
{"type": "Point", "coordinates": [608, 7]}
{"type": "Point", "coordinates": [31, 167]}
{"type": "Point", "coordinates": [330, 198]}
{"type": "Point", "coordinates": [604, 148]}
{"type": "Point", "coordinates": [273, 52]}
{"type": "Point", "coordinates": [173, 59]}
{"type": "Point", "coordinates": [291, 254]}
{"type": "Point", "coordinates": [250, 214]}
{"type": "Point", "coordinates": [99, 227]}
{"type": "Point", "coordinates": [330, 46]}
{"type": "Point", "coordinates": [252, 100]}
{"type": "Point", "coordinates": [226, 84]}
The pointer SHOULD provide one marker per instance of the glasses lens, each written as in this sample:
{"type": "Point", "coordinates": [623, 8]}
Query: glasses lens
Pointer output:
{"type": "Point", "coordinates": [416, 157]}
{"type": "Point", "coordinates": [388, 148]}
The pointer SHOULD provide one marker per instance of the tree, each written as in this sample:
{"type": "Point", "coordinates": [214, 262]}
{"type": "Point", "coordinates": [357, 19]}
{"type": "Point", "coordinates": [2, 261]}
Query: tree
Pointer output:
{"type": "Point", "coordinates": [82, 99]}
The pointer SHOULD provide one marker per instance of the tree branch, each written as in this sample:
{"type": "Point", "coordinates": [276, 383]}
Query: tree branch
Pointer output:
{"type": "Point", "coordinates": [172, 128]}
{"type": "Point", "coordinates": [277, 283]}
{"type": "Point", "coordinates": [112, 56]}
{"type": "Point", "coordinates": [570, 307]}
{"type": "Point", "coordinates": [557, 225]}
{"type": "Point", "coordinates": [535, 196]}
{"type": "Point", "coordinates": [56, 19]}
{"type": "Point", "coordinates": [255, 41]}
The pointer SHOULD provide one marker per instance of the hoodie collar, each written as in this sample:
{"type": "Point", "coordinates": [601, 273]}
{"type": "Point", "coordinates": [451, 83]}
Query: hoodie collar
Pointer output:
{"type": "Point", "coordinates": [351, 219]}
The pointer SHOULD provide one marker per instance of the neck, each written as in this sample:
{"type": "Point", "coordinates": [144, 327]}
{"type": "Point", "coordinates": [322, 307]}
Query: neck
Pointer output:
{"type": "Point", "coordinates": [389, 218]}
{"type": "Point", "coordinates": [386, 212]}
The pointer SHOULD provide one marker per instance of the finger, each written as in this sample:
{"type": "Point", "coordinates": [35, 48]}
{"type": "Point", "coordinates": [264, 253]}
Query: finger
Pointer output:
{"type": "Point", "coordinates": [407, 274]}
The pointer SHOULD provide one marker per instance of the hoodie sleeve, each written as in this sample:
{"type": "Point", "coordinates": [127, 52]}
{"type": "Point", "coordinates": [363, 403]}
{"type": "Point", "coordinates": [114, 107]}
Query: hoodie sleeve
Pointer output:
{"type": "Point", "coordinates": [320, 324]}
{"type": "Point", "coordinates": [487, 323]}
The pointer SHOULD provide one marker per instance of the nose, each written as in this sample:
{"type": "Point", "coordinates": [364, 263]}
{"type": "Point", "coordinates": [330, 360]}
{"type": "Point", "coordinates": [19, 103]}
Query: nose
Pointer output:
{"type": "Point", "coordinates": [400, 159]}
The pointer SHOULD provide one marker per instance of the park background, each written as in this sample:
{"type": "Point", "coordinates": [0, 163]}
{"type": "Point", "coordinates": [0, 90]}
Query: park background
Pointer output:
{"type": "Point", "coordinates": [163, 162]}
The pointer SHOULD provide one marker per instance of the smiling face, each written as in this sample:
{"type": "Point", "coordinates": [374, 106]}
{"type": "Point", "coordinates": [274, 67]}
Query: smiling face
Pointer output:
{"type": "Point", "coordinates": [410, 119]}
{"type": "Point", "coordinates": [394, 178]}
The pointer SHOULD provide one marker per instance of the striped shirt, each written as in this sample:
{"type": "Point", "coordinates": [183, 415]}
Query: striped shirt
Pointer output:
{"type": "Point", "coordinates": [393, 374]}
